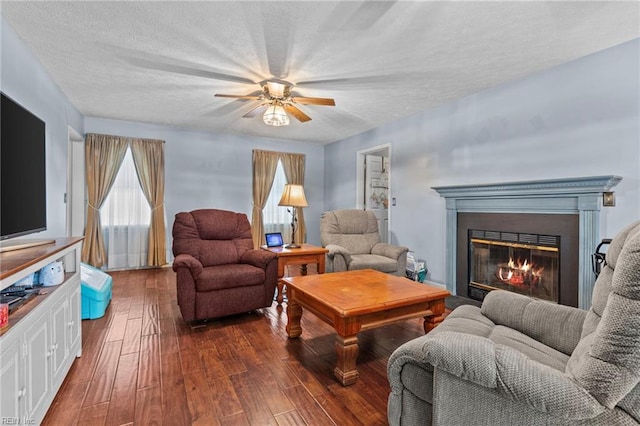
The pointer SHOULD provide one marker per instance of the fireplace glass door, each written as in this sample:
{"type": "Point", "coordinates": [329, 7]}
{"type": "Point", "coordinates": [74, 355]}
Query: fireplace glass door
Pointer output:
{"type": "Point", "coordinates": [523, 263]}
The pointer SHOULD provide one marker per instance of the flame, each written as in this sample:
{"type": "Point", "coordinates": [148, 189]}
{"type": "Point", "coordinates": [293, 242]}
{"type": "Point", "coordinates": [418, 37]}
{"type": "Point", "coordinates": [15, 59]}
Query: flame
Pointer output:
{"type": "Point", "coordinates": [537, 271]}
{"type": "Point", "coordinates": [526, 266]}
{"type": "Point", "coordinates": [517, 270]}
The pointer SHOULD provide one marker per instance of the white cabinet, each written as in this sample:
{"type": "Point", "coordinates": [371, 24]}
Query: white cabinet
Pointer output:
{"type": "Point", "coordinates": [74, 325]}
{"type": "Point", "coordinates": [59, 342]}
{"type": "Point", "coordinates": [12, 394]}
{"type": "Point", "coordinates": [36, 364]}
{"type": "Point", "coordinates": [43, 338]}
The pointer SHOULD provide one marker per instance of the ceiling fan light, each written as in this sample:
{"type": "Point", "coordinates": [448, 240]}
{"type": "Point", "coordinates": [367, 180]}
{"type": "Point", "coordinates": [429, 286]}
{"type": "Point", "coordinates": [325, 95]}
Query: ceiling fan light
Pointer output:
{"type": "Point", "coordinates": [275, 116]}
{"type": "Point", "coordinates": [276, 90]}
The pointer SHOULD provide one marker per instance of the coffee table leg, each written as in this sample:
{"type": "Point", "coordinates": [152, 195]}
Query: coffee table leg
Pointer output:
{"type": "Point", "coordinates": [347, 350]}
{"type": "Point", "coordinates": [279, 297]}
{"type": "Point", "coordinates": [437, 309]}
{"type": "Point", "coordinates": [294, 313]}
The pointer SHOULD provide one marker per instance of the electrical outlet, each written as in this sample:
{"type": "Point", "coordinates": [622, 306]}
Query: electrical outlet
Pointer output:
{"type": "Point", "coordinates": [393, 201]}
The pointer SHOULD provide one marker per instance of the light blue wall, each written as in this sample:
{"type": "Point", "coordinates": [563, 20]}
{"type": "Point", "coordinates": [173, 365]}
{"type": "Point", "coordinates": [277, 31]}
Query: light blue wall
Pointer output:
{"type": "Point", "coordinates": [202, 169]}
{"type": "Point", "coordinates": [25, 80]}
{"type": "Point", "coordinates": [579, 119]}
{"type": "Point", "coordinates": [208, 170]}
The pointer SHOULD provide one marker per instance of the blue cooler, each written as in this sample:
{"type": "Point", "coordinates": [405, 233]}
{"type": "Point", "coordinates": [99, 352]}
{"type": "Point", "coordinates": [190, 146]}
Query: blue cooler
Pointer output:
{"type": "Point", "coordinates": [95, 291]}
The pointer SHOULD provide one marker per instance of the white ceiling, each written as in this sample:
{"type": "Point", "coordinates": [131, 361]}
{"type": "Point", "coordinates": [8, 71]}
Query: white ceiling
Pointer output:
{"type": "Point", "coordinates": [163, 62]}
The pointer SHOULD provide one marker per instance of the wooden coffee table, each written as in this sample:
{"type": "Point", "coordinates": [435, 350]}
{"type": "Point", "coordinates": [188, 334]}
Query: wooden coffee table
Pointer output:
{"type": "Point", "coordinates": [355, 301]}
{"type": "Point", "coordinates": [302, 256]}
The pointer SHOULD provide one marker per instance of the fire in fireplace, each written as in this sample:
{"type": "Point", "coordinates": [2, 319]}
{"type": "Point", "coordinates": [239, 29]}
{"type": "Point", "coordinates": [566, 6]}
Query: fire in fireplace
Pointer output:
{"type": "Point", "coordinates": [523, 263]}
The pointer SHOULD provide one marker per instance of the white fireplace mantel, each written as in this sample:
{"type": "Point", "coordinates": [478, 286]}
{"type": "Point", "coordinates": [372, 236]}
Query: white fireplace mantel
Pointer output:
{"type": "Point", "coordinates": [582, 196]}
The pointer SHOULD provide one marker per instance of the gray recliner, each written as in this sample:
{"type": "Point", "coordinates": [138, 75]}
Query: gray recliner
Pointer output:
{"type": "Point", "coordinates": [522, 361]}
{"type": "Point", "coordinates": [353, 241]}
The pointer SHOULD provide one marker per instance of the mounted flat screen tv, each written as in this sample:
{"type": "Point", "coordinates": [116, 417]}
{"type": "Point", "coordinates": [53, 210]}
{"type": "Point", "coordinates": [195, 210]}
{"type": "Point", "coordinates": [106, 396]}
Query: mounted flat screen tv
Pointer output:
{"type": "Point", "coordinates": [23, 188]}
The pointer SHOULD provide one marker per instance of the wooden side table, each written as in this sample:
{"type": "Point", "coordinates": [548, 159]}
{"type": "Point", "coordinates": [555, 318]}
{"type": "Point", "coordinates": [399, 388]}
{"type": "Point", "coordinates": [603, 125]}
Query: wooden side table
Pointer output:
{"type": "Point", "coordinates": [297, 256]}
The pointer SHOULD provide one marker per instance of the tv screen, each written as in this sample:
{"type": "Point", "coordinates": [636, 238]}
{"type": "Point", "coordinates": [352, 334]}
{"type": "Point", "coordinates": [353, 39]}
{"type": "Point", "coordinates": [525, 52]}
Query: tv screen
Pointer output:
{"type": "Point", "coordinates": [23, 197]}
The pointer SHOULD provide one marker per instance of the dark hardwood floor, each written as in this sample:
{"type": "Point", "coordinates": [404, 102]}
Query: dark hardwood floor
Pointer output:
{"type": "Point", "coordinates": [142, 364]}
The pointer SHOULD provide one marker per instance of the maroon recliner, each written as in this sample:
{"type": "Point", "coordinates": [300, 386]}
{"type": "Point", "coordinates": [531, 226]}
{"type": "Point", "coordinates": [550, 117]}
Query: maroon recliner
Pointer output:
{"type": "Point", "coordinates": [218, 271]}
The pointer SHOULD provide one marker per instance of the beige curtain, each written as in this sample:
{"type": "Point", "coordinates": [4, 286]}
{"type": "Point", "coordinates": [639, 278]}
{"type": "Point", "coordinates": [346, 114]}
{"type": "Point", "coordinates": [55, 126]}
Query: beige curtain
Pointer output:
{"type": "Point", "coordinates": [264, 170]}
{"type": "Point", "coordinates": [148, 156]}
{"type": "Point", "coordinates": [103, 157]}
{"type": "Point", "coordinates": [293, 165]}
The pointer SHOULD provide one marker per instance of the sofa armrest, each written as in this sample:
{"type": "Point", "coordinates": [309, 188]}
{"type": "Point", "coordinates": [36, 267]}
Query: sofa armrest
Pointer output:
{"type": "Point", "coordinates": [336, 250]}
{"type": "Point", "coordinates": [537, 319]}
{"type": "Point", "coordinates": [338, 258]}
{"type": "Point", "coordinates": [511, 374]}
{"type": "Point", "coordinates": [388, 250]}
{"type": "Point", "coordinates": [258, 258]}
{"type": "Point", "coordinates": [189, 262]}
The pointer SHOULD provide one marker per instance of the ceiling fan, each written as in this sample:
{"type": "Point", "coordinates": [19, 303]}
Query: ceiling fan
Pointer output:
{"type": "Point", "coordinates": [276, 100]}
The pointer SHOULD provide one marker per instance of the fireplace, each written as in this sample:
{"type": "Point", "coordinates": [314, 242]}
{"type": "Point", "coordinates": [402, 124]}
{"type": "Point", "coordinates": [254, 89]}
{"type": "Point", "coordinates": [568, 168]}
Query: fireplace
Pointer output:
{"type": "Point", "coordinates": [567, 209]}
{"type": "Point", "coordinates": [523, 263]}
{"type": "Point", "coordinates": [527, 253]}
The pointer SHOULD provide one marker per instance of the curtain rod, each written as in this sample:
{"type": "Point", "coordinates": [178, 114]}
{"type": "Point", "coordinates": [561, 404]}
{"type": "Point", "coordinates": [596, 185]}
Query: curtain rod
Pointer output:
{"type": "Point", "coordinates": [277, 152]}
{"type": "Point", "coordinates": [124, 137]}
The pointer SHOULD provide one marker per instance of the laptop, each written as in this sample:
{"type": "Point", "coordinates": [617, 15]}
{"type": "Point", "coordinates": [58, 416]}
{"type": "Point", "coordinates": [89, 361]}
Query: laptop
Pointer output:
{"type": "Point", "coordinates": [274, 239]}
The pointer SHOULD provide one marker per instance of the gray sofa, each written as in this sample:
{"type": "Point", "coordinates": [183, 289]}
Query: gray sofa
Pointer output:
{"type": "Point", "coordinates": [521, 361]}
{"type": "Point", "coordinates": [353, 241]}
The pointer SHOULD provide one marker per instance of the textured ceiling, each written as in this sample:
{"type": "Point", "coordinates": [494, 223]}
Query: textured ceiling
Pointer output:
{"type": "Point", "coordinates": [163, 62]}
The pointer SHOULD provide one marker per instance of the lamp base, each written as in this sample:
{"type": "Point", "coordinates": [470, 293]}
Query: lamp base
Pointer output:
{"type": "Point", "coordinates": [292, 246]}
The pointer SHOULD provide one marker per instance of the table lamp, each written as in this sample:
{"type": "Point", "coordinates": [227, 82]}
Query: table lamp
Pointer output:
{"type": "Point", "coordinates": [293, 196]}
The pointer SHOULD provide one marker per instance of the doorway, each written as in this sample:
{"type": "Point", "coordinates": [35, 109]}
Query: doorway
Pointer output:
{"type": "Point", "coordinates": [374, 186]}
{"type": "Point", "coordinates": [76, 193]}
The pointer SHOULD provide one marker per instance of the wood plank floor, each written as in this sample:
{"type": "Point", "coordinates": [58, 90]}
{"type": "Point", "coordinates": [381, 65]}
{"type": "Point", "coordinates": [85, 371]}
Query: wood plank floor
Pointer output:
{"type": "Point", "coordinates": [142, 364]}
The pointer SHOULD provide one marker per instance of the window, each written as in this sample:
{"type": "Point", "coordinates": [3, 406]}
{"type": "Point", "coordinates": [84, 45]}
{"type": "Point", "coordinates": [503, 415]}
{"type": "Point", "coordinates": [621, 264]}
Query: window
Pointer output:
{"type": "Point", "coordinates": [276, 218]}
{"type": "Point", "coordinates": [125, 217]}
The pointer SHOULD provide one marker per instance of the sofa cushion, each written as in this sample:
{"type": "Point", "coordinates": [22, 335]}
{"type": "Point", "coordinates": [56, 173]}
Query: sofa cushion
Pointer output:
{"type": "Point", "coordinates": [532, 348]}
{"type": "Point", "coordinates": [469, 319]}
{"type": "Point", "coordinates": [215, 224]}
{"type": "Point", "coordinates": [355, 230]}
{"type": "Point", "coordinates": [214, 237]}
{"type": "Point", "coordinates": [373, 261]}
{"type": "Point", "coordinates": [229, 276]}
{"type": "Point", "coordinates": [465, 319]}
{"type": "Point", "coordinates": [606, 360]}
{"type": "Point", "coordinates": [537, 319]}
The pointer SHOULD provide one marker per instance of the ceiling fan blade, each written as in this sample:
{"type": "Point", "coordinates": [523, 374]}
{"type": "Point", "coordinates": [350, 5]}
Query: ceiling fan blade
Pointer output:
{"type": "Point", "coordinates": [373, 81]}
{"type": "Point", "coordinates": [355, 16]}
{"type": "Point", "coordinates": [278, 38]}
{"type": "Point", "coordinates": [256, 111]}
{"type": "Point", "coordinates": [299, 115]}
{"type": "Point", "coordinates": [314, 101]}
{"type": "Point", "coordinates": [161, 63]}
{"type": "Point", "coordinates": [254, 98]}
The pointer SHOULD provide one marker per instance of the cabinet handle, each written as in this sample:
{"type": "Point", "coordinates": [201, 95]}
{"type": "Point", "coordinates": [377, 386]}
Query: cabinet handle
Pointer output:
{"type": "Point", "coordinates": [71, 323]}
{"type": "Point", "coordinates": [22, 392]}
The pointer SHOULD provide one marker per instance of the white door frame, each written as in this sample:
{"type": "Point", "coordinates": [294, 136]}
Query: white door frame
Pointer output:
{"type": "Point", "coordinates": [385, 151]}
{"type": "Point", "coordinates": [75, 169]}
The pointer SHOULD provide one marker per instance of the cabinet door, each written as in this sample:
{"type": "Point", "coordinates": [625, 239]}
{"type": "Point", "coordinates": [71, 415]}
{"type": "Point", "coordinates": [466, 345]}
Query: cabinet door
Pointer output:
{"type": "Point", "coordinates": [38, 383]}
{"type": "Point", "coordinates": [59, 346]}
{"type": "Point", "coordinates": [75, 322]}
{"type": "Point", "coordinates": [12, 394]}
